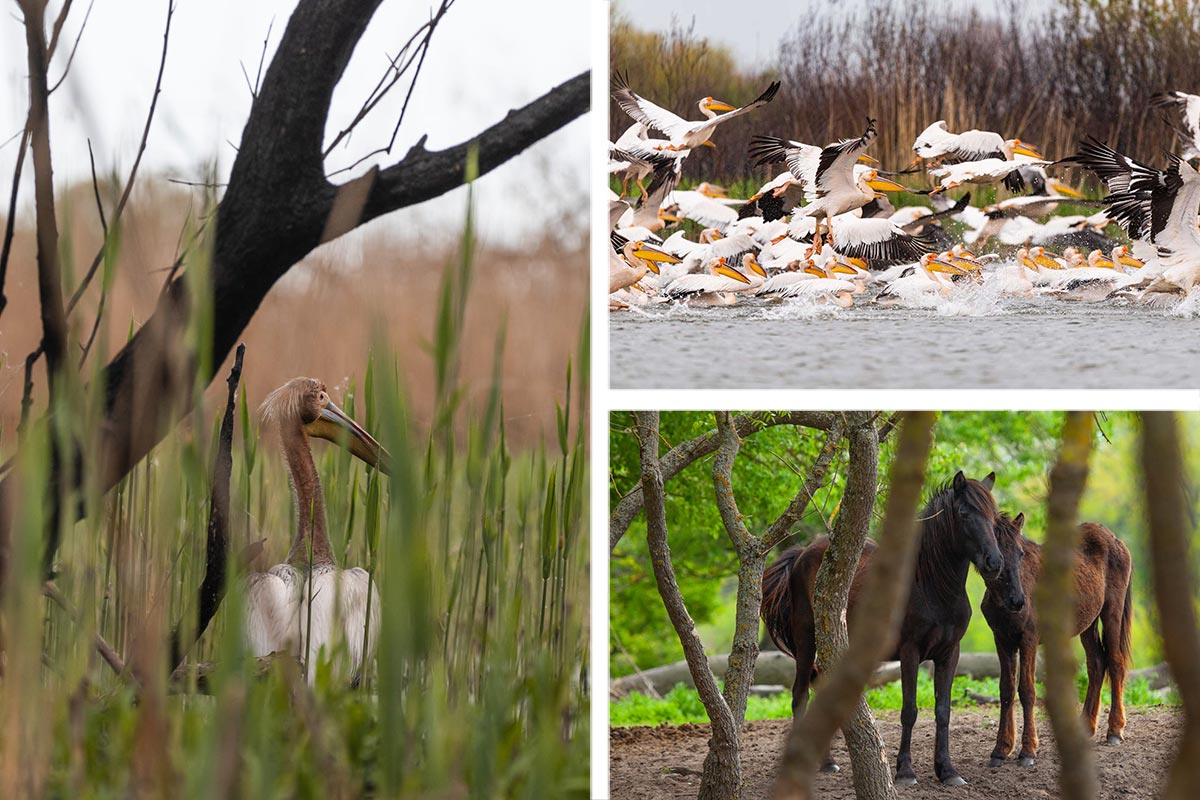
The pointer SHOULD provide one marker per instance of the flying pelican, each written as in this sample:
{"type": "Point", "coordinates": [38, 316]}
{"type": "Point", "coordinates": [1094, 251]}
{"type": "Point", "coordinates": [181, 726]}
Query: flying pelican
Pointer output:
{"type": "Point", "coordinates": [1188, 106]}
{"type": "Point", "coordinates": [683, 135]}
{"type": "Point", "coordinates": [1016, 154]}
{"type": "Point", "coordinates": [879, 241]}
{"type": "Point", "coordinates": [310, 585]}
{"type": "Point", "coordinates": [936, 142]}
{"type": "Point", "coordinates": [838, 189]}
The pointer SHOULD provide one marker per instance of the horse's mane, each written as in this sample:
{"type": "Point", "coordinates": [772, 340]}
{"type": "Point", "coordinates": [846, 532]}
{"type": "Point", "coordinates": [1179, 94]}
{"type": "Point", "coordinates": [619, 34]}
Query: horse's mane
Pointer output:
{"type": "Point", "coordinates": [936, 558]}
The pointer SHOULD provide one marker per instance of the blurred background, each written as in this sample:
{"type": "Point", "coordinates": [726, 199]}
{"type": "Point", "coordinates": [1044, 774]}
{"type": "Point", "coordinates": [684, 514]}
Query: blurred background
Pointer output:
{"type": "Point", "coordinates": [529, 214]}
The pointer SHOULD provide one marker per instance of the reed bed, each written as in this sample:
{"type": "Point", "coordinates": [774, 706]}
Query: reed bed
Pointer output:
{"type": "Point", "coordinates": [1047, 74]}
{"type": "Point", "coordinates": [478, 548]}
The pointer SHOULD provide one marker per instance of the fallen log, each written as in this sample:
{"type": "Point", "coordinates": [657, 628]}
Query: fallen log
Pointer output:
{"type": "Point", "coordinates": [778, 669]}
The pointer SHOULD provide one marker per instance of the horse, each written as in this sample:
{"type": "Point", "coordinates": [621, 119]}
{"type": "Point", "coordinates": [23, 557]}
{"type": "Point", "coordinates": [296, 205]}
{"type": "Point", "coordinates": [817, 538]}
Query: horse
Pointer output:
{"type": "Point", "coordinates": [1103, 568]}
{"type": "Point", "coordinates": [957, 529]}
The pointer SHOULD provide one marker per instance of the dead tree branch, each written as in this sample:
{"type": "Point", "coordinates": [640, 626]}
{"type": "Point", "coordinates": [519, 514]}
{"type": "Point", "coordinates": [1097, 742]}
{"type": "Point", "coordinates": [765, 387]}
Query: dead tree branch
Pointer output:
{"type": "Point", "coordinates": [877, 620]}
{"type": "Point", "coordinates": [1077, 777]}
{"type": "Point", "coordinates": [212, 588]}
{"type": "Point", "coordinates": [1171, 559]}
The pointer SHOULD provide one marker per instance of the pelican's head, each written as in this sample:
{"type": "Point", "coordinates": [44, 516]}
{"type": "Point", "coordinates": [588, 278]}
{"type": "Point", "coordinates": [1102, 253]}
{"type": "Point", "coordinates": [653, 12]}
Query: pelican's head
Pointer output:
{"type": "Point", "coordinates": [709, 106]}
{"type": "Point", "coordinates": [1096, 258]}
{"type": "Point", "coordinates": [1015, 147]}
{"type": "Point", "coordinates": [650, 256]}
{"type": "Point", "coordinates": [874, 182]}
{"type": "Point", "coordinates": [1121, 255]}
{"type": "Point", "coordinates": [750, 263]}
{"type": "Point", "coordinates": [720, 267]}
{"type": "Point", "coordinates": [305, 404]}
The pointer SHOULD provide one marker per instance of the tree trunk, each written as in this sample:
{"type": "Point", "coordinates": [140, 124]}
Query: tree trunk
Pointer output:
{"type": "Point", "coordinates": [1077, 778]}
{"type": "Point", "coordinates": [878, 617]}
{"type": "Point", "coordinates": [722, 778]}
{"type": "Point", "coordinates": [1174, 586]}
{"type": "Point", "coordinates": [831, 594]}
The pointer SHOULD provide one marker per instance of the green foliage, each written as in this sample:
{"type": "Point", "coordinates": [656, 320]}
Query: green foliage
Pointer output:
{"type": "Point", "coordinates": [682, 704]}
{"type": "Point", "coordinates": [1019, 446]}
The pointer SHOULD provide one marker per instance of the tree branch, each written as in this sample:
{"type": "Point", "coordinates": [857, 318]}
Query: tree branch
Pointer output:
{"type": "Point", "coordinates": [781, 528]}
{"type": "Point", "coordinates": [1054, 600]}
{"type": "Point", "coordinates": [1171, 560]}
{"type": "Point", "coordinates": [692, 450]}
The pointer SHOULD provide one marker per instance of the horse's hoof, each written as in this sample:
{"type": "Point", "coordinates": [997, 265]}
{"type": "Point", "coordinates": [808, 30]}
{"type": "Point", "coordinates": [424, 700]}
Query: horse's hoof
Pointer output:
{"type": "Point", "coordinates": [953, 780]}
{"type": "Point", "coordinates": [1114, 739]}
{"type": "Point", "coordinates": [830, 768]}
{"type": "Point", "coordinates": [1027, 761]}
{"type": "Point", "coordinates": [996, 761]}
{"type": "Point", "coordinates": [907, 780]}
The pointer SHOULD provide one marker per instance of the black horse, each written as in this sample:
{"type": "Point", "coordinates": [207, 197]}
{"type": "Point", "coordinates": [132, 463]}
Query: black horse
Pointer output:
{"type": "Point", "coordinates": [957, 529]}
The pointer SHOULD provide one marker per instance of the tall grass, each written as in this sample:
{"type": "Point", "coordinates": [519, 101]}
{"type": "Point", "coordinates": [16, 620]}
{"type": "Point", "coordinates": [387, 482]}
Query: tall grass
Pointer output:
{"type": "Point", "coordinates": [1045, 73]}
{"type": "Point", "coordinates": [478, 550]}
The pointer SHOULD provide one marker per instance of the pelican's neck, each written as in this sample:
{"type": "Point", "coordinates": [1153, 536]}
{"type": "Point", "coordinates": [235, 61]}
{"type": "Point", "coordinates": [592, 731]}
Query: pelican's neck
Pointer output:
{"type": "Point", "coordinates": [311, 529]}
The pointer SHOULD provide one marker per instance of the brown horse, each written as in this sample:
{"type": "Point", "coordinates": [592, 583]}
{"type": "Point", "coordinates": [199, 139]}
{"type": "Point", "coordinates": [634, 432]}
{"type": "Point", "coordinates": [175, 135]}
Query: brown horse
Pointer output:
{"type": "Point", "coordinates": [1103, 568]}
{"type": "Point", "coordinates": [957, 529]}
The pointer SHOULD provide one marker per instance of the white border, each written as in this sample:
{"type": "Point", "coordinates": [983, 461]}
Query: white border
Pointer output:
{"type": "Point", "coordinates": [600, 405]}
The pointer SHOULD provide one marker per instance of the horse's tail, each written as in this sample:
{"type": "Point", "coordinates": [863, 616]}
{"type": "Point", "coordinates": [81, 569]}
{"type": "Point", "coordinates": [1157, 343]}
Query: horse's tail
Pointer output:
{"type": "Point", "coordinates": [1127, 623]}
{"type": "Point", "coordinates": [776, 609]}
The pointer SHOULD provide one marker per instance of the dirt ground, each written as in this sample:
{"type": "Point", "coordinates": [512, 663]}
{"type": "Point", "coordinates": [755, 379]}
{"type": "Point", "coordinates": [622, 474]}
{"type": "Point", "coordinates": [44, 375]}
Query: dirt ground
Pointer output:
{"type": "Point", "coordinates": [665, 762]}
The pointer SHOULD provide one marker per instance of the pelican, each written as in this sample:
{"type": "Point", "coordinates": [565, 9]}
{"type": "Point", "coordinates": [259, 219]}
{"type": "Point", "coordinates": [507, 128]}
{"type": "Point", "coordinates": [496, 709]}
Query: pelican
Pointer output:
{"type": "Point", "coordinates": [879, 241]}
{"type": "Point", "coordinates": [707, 204]}
{"type": "Point", "coordinates": [310, 586]}
{"type": "Point", "coordinates": [715, 286]}
{"type": "Point", "coordinates": [638, 259]}
{"type": "Point", "coordinates": [936, 141]}
{"type": "Point", "coordinates": [1016, 154]}
{"type": "Point", "coordinates": [838, 189]}
{"type": "Point", "coordinates": [683, 135]}
{"type": "Point", "coordinates": [1188, 106]}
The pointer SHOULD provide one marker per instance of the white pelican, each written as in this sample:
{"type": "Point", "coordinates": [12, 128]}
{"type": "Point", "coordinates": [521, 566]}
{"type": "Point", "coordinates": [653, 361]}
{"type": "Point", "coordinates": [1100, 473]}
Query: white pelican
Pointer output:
{"type": "Point", "coordinates": [631, 264]}
{"type": "Point", "coordinates": [936, 142]}
{"type": "Point", "coordinates": [683, 135]}
{"type": "Point", "coordinates": [707, 204]}
{"type": "Point", "coordinates": [929, 277]}
{"type": "Point", "coordinates": [310, 585]}
{"type": "Point", "coordinates": [816, 284]}
{"type": "Point", "coordinates": [838, 190]}
{"type": "Point", "coordinates": [715, 286]}
{"type": "Point", "coordinates": [1188, 106]}
{"type": "Point", "coordinates": [1159, 211]}
{"type": "Point", "coordinates": [877, 240]}
{"type": "Point", "coordinates": [1016, 154]}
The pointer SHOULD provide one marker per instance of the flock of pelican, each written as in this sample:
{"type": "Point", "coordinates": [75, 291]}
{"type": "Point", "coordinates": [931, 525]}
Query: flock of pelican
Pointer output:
{"type": "Point", "coordinates": [824, 231]}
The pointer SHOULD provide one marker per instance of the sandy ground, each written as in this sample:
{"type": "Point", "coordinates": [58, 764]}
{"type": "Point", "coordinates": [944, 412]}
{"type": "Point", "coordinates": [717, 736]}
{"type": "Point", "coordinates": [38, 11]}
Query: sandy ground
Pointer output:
{"type": "Point", "coordinates": [665, 762]}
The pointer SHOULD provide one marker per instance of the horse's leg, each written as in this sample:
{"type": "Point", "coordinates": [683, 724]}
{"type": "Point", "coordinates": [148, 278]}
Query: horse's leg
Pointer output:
{"type": "Point", "coordinates": [1028, 693]}
{"type": "Point", "coordinates": [1113, 614]}
{"type": "Point", "coordinates": [1096, 665]}
{"type": "Point", "coordinates": [1006, 734]}
{"type": "Point", "coordinates": [805, 639]}
{"type": "Point", "coordinates": [910, 660]}
{"type": "Point", "coordinates": [943, 680]}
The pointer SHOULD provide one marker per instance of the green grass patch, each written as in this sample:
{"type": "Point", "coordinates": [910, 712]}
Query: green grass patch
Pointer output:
{"type": "Point", "coordinates": [682, 704]}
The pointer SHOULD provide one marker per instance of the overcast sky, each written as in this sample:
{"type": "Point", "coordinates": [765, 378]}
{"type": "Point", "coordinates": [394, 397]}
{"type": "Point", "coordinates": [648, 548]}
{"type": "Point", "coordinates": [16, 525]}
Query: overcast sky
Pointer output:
{"type": "Point", "coordinates": [754, 31]}
{"type": "Point", "coordinates": [472, 76]}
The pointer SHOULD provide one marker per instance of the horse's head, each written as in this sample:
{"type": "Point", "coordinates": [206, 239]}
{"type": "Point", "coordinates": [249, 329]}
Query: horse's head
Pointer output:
{"type": "Point", "coordinates": [1007, 585]}
{"type": "Point", "coordinates": [975, 514]}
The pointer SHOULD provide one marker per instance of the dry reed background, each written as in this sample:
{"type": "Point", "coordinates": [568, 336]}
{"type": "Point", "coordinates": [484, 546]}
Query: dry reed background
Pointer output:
{"type": "Point", "coordinates": [1048, 74]}
{"type": "Point", "coordinates": [318, 321]}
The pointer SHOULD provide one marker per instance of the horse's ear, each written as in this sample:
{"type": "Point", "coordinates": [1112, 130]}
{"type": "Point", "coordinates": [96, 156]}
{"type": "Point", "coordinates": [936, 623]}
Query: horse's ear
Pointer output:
{"type": "Point", "coordinates": [960, 481]}
{"type": "Point", "coordinates": [989, 481]}
{"type": "Point", "coordinates": [1020, 521]}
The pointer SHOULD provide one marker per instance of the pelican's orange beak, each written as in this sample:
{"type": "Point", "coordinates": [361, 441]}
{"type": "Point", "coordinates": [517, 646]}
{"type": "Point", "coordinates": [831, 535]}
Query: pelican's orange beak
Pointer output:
{"type": "Point", "coordinates": [718, 105]}
{"type": "Point", "coordinates": [866, 159]}
{"type": "Point", "coordinates": [334, 425]}
{"type": "Point", "coordinates": [730, 272]}
{"type": "Point", "coordinates": [757, 268]}
{"type": "Point", "coordinates": [1065, 190]}
{"type": "Point", "coordinates": [1022, 149]}
{"type": "Point", "coordinates": [881, 184]}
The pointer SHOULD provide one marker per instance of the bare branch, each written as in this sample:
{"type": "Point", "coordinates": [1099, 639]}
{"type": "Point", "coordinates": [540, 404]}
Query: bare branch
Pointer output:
{"type": "Point", "coordinates": [781, 528]}
{"type": "Point", "coordinates": [74, 47]}
{"type": "Point", "coordinates": [692, 450]}
{"type": "Point", "coordinates": [106, 651]}
{"type": "Point", "coordinates": [10, 222]}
